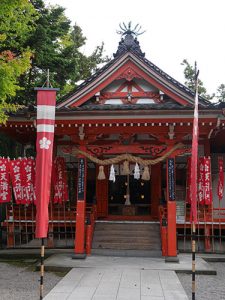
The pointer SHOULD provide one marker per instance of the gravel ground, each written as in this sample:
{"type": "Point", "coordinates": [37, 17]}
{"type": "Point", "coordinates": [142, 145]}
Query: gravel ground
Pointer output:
{"type": "Point", "coordinates": [207, 287]}
{"type": "Point", "coordinates": [22, 283]}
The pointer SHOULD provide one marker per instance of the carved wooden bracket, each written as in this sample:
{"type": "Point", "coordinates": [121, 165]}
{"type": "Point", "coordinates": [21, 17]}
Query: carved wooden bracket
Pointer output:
{"type": "Point", "coordinates": [98, 150]}
{"type": "Point", "coordinates": [154, 150]}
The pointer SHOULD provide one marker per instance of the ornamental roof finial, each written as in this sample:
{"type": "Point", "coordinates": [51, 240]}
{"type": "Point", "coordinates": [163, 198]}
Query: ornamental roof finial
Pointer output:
{"type": "Point", "coordinates": [126, 29]}
{"type": "Point", "coordinates": [129, 40]}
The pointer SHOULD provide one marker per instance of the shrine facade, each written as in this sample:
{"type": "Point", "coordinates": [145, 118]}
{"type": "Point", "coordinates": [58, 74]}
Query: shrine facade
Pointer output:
{"type": "Point", "coordinates": [125, 134]}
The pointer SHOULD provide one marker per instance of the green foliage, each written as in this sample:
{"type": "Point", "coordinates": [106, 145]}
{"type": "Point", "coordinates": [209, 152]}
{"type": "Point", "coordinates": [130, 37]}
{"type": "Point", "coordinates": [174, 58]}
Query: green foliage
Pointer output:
{"type": "Point", "coordinates": [221, 93]}
{"type": "Point", "coordinates": [11, 67]}
{"type": "Point", "coordinates": [56, 47]}
{"type": "Point", "coordinates": [189, 74]}
{"type": "Point", "coordinates": [33, 39]}
{"type": "Point", "coordinates": [6, 108]}
{"type": "Point", "coordinates": [16, 23]}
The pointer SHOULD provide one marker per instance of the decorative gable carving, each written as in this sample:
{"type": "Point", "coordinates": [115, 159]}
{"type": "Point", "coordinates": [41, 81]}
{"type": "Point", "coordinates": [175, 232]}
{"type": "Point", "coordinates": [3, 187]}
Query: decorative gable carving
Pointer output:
{"type": "Point", "coordinates": [129, 74]}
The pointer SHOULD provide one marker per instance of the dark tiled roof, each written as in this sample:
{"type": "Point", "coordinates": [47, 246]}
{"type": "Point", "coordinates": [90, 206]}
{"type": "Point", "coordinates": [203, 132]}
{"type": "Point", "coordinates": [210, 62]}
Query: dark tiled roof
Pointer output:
{"type": "Point", "coordinates": [158, 106]}
{"type": "Point", "coordinates": [87, 81]}
{"type": "Point", "coordinates": [130, 44]}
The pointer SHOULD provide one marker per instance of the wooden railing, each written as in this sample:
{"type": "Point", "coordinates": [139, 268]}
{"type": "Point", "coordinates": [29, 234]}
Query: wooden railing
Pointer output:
{"type": "Point", "coordinates": [19, 224]}
{"type": "Point", "coordinates": [210, 229]}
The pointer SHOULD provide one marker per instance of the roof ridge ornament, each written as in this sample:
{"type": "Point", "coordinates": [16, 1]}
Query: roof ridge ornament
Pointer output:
{"type": "Point", "coordinates": [126, 29]}
{"type": "Point", "coordinates": [129, 40]}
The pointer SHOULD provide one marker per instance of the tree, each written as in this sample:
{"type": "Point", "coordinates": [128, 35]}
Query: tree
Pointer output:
{"type": "Point", "coordinates": [34, 38]}
{"type": "Point", "coordinates": [189, 74]}
{"type": "Point", "coordinates": [57, 47]}
{"type": "Point", "coordinates": [17, 22]}
{"type": "Point", "coordinates": [221, 93]}
{"type": "Point", "coordinates": [74, 65]}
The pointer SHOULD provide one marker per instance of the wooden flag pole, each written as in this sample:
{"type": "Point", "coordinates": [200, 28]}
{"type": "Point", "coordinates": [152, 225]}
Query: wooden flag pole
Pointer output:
{"type": "Point", "coordinates": [42, 268]}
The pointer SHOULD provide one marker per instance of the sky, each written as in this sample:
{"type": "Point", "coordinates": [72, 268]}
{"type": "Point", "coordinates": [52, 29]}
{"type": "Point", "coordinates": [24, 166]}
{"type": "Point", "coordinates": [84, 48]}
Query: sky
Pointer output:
{"type": "Point", "coordinates": [175, 30]}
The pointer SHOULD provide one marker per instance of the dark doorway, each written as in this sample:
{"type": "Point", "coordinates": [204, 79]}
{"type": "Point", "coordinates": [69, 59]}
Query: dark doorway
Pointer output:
{"type": "Point", "coordinates": [138, 191]}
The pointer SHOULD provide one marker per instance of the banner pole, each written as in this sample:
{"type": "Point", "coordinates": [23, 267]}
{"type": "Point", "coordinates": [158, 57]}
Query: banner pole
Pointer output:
{"type": "Point", "coordinates": [45, 121]}
{"type": "Point", "coordinates": [42, 268]}
{"type": "Point", "coordinates": [220, 231]}
{"type": "Point", "coordinates": [193, 260]}
{"type": "Point", "coordinates": [193, 185]}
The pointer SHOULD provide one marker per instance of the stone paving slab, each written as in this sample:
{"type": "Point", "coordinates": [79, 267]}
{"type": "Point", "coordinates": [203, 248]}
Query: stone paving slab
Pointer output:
{"type": "Point", "coordinates": [121, 278]}
{"type": "Point", "coordinates": [118, 284]}
{"type": "Point", "coordinates": [112, 262]}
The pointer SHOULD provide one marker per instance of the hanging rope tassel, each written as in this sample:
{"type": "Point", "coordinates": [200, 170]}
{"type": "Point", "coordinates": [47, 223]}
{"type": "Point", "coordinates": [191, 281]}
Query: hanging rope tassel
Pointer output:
{"type": "Point", "coordinates": [126, 169]}
{"type": "Point", "coordinates": [146, 174]}
{"type": "Point", "coordinates": [101, 173]}
{"type": "Point", "coordinates": [137, 171]}
{"type": "Point", "coordinates": [112, 176]}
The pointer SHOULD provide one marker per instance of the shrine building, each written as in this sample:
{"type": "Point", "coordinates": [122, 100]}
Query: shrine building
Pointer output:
{"type": "Point", "coordinates": [125, 137]}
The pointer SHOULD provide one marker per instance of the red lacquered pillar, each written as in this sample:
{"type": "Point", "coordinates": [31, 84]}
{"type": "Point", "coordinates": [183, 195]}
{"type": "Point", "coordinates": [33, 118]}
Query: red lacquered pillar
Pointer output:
{"type": "Point", "coordinates": [81, 205]}
{"type": "Point", "coordinates": [171, 209]}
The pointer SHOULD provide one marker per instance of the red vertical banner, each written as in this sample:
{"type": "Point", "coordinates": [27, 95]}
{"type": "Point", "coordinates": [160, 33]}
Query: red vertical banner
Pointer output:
{"type": "Point", "coordinates": [188, 181]}
{"type": "Point", "coordinates": [28, 179]}
{"type": "Point", "coordinates": [22, 175]}
{"type": "Point", "coordinates": [59, 180]}
{"type": "Point", "coordinates": [220, 187]}
{"type": "Point", "coordinates": [16, 177]}
{"type": "Point", "coordinates": [5, 194]}
{"type": "Point", "coordinates": [46, 101]}
{"type": "Point", "coordinates": [201, 181]}
{"type": "Point", "coordinates": [207, 182]}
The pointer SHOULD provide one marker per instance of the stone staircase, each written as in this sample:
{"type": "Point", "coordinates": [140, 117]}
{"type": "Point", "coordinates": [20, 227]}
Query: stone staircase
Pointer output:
{"type": "Point", "coordinates": [126, 238]}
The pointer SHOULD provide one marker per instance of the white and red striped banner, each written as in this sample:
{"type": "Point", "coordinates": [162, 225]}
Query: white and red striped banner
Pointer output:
{"type": "Point", "coordinates": [5, 193]}
{"type": "Point", "coordinates": [59, 180]}
{"type": "Point", "coordinates": [194, 161]}
{"type": "Point", "coordinates": [46, 100]}
{"type": "Point", "coordinates": [220, 187]}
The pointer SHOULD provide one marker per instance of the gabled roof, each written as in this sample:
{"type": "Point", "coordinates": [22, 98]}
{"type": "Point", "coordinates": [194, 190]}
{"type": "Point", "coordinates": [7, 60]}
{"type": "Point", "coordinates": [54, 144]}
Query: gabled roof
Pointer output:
{"type": "Point", "coordinates": [129, 55]}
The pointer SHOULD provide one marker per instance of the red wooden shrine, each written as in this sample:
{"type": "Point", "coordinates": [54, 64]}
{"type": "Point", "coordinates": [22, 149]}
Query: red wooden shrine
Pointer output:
{"type": "Point", "coordinates": [130, 106]}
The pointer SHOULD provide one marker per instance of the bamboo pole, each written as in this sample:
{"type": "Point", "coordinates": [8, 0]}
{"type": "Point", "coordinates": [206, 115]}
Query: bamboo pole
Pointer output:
{"type": "Point", "coordinates": [212, 220]}
{"type": "Point", "coordinates": [194, 216]}
{"type": "Point", "coordinates": [193, 260]}
{"type": "Point", "coordinates": [42, 268]}
{"type": "Point", "coordinates": [220, 231]}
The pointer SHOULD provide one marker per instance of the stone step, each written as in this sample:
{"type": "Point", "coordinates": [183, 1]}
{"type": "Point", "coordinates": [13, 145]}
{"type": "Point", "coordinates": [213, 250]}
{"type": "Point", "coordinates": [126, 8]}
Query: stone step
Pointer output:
{"type": "Point", "coordinates": [127, 236]}
{"type": "Point", "coordinates": [128, 241]}
{"type": "Point", "coordinates": [125, 233]}
{"type": "Point", "coordinates": [127, 252]}
{"type": "Point", "coordinates": [104, 226]}
{"type": "Point", "coordinates": [117, 237]}
{"type": "Point", "coordinates": [132, 230]}
{"type": "Point", "coordinates": [122, 245]}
